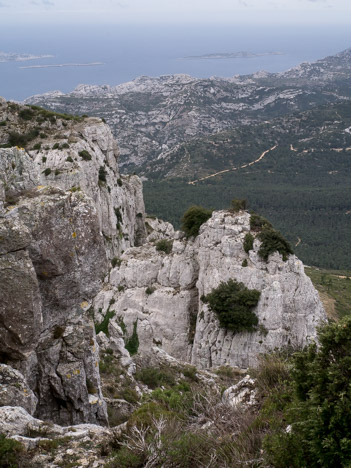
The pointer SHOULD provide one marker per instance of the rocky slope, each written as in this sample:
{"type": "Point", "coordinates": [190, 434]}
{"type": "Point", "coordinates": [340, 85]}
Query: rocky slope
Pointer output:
{"type": "Point", "coordinates": [60, 224]}
{"type": "Point", "coordinates": [66, 217]}
{"type": "Point", "coordinates": [158, 296]}
{"type": "Point", "coordinates": [151, 116]}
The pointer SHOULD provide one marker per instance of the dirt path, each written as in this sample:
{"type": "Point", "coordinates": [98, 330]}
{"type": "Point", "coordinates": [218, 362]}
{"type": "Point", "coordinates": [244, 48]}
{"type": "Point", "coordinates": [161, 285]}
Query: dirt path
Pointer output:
{"type": "Point", "coordinates": [193, 182]}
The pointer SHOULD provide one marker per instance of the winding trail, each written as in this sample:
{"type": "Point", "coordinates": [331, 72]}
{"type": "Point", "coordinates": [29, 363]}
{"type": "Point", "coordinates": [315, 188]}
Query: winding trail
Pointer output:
{"type": "Point", "coordinates": [193, 182]}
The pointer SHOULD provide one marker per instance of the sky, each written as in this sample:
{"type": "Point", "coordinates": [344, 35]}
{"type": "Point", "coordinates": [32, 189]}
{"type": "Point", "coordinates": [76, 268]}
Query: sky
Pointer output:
{"type": "Point", "coordinates": [176, 11]}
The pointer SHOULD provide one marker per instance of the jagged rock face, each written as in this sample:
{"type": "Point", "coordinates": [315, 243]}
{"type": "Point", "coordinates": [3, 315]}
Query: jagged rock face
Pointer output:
{"type": "Point", "coordinates": [118, 199]}
{"type": "Point", "coordinates": [14, 390]}
{"type": "Point", "coordinates": [78, 154]}
{"type": "Point", "coordinates": [173, 316]}
{"type": "Point", "coordinates": [154, 292]}
{"type": "Point", "coordinates": [289, 307]}
{"type": "Point", "coordinates": [51, 247]}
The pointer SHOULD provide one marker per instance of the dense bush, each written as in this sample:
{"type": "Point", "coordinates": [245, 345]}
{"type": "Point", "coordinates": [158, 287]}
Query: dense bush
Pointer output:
{"type": "Point", "coordinates": [248, 242]}
{"type": "Point", "coordinates": [150, 290]}
{"type": "Point", "coordinates": [21, 139]}
{"type": "Point", "coordinates": [9, 452]}
{"type": "Point", "coordinates": [102, 174]}
{"type": "Point", "coordinates": [44, 114]}
{"type": "Point", "coordinates": [84, 154]}
{"type": "Point", "coordinates": [26, 114]}
{"type": "Point", "coordinates": [257, 222]}
{"type": "Point", "coordinates": [193, 218]}
{"type": "Point", "coordinates": [320, 416]}
{"type": "Point", "coordinates": [164, 245]}
{"type": "Point", "coordinates": [273, 241]}
{"type": "Point", "coordinates": [238, 205]}
{"type": "Point", "coordinates": [115, 261]}
{"type": "Point", "coordinates": [154, 377]}
{"type": "Point", "coordinates": [233, 304]}
{"type": "Point", "coordinates": [103, 326]}
{"type": "Point", "coordinates": [132, 343]}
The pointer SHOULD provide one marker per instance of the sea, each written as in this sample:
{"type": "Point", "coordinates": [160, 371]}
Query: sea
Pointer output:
{"type": "Point", "coordinates": [129, 51]}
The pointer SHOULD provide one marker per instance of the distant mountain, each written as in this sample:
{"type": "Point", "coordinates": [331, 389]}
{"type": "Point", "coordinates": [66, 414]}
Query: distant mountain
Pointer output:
{"type": "Point", "coordinates": [149, 116]}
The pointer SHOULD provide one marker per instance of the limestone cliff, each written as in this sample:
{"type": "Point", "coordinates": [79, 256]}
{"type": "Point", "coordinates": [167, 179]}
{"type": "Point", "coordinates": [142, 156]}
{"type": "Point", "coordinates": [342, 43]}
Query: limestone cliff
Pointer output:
{"type": "Point", "coordinates": [64, 212]}
{"type": "Point", "coordinates": [159, 295]}
{"type": "Point", "coordinates": [66, 217]}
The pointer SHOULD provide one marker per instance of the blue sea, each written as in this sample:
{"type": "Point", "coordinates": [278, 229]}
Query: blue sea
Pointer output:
{"type": "Point", "coordinates": [129, 51]}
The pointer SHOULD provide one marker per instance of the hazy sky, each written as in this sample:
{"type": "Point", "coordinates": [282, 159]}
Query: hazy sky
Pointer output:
{"type": "Point", "coordinates": [126, 11]}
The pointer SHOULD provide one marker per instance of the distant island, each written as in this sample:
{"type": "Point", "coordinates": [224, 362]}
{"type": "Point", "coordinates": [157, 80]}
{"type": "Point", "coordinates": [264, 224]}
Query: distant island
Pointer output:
{"type": "Point", "coordinates": [231, 55]}
{"type": "Point", "coordinates": [12, 57]}
{"type": "Point", "coordinates": [92, 64]}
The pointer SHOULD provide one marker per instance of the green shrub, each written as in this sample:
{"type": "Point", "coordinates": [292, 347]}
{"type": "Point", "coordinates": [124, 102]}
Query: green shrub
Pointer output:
{"type": "Point", "coordinates": [44, 114]}
{"type": "Point", "coordinates": [320, 414]}
{"type": "Point", "coordinates": [37, 146]}
{"type": "Point", "coordinates": [150, 290]}
{"type": "Point", "coordinates": [119, 182]}
{"type": "Point", "coordinates": [193, 218]}
{"type": "Point", "coordinates": [154, 377]}
{"type": "Point", "coordinates": [164, 245]}
{"type": "Point", "coordinates": [47, 171]}
{"type": "Point", "coordinates": [233, 303]}
{"type": "Point", "coordinates": [118, 214]}
{"type": "Point", "coordinates": [56, 146]}
{"type": "Point", "coordinates": [175, 399]}
{"type": "Point", "coordinates": [272, 372]}
{"type": "Point", "coordinates": [190, 373]}
{"type": "Point", "coordinates": [43, 159]}
{"type": "Point", "coordinates": [43, 135]}
{"type": "Point", "coordinates": [17, 139]}
{"type": "Point", "coordinates": [103, 326]}
{"type": "Point", "coordinates": [248, 242]}
{"type": "Point", "coordinates": [144, 416]}
{"type": "Point", "coordinates": [257, 222]}
{"type": "Point", "coordinates": [9, 452]}
{"type": "Point", "coordinates": [128, 394]}
{"type": "Point", "coordinates": [64, 146]}
{"type": "Point", "coordinates": [69, 159]}
{"type": "Point", "coordinates": [26, 114]}
{"type": "Point", "coordinates": [125, 458]}
{"type": "Point", "coordinates": [21, 139]}
{"type": "Point", "coordinates": [3, 123]}
{"type": "Point", "coordinates": [84, 154]}
{"type": "Point", "coordinates": [58, 332]}
{"type": "Point", "coordinates": [244, 263]}
{"type": "Point", "coordinates": [238, 205]}
{"type": "Point", "coordinates": [116, 262]}
{"type": "Point", "coordinates": [273, 241]}
{"type": "Point", "coordinates": [190, 450]}
{"type": "Point", "coordinates": [102, 174]}
{"type": "Point", "coordinates": [132, 343]}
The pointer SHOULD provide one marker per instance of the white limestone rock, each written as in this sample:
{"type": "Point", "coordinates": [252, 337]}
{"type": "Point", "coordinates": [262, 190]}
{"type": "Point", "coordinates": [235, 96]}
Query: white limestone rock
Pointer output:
{"type": "Point", "coordinates": [118, 199]}
{"type": "Point", "coordinates": [14, 390]}
{"type": "Point", "coordinates": [289, 309]}
{"type": "Point", "coordinates": [243, 394]}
